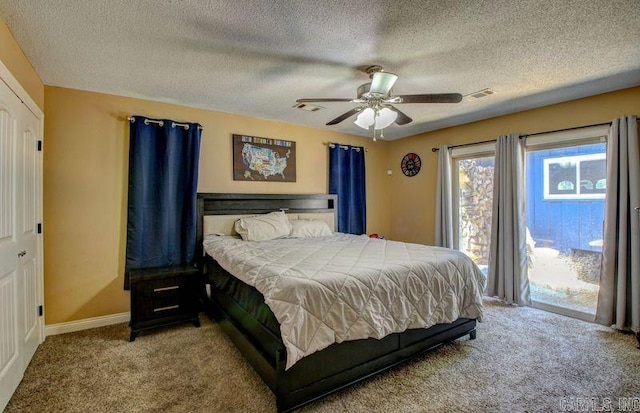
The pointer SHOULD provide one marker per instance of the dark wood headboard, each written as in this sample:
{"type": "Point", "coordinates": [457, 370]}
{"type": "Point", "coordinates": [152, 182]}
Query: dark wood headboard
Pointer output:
{"type": "Point", "coordinates": [239, 204]}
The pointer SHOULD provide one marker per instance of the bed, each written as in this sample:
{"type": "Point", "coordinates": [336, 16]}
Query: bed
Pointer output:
{"type": "Point", "coordinates": [242, 311]}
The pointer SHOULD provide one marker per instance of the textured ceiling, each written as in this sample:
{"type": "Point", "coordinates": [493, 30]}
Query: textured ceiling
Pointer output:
{"type": "Point", "coordinates": [257, 57]}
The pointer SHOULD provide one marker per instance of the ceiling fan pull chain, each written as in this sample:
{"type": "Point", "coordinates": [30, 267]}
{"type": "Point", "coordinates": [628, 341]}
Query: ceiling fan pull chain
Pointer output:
{"type": "Point", "coordinates": [376, 115]}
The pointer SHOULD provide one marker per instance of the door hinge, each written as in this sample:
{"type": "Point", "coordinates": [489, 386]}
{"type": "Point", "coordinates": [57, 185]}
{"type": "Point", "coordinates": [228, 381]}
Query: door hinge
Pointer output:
{"type": "Point", "coordinates": [40, 311]}
{"type": "Point", "coordinates": [39, 228]}
{"type": "Point", "coordinates": [39, 145]}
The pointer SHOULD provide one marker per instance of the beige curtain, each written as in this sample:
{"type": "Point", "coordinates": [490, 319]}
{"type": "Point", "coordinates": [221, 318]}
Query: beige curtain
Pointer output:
{"type": "Point", "coordinates": [619, 295]}
{"type": "Point", "coordinates": [507, 278]}
{"type": "Point", "coordinates": [444, 208]}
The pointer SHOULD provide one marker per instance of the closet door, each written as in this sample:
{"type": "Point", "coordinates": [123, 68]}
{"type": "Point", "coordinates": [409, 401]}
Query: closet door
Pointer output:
{"type": "Point", "coordinates": [11, 362]}
{"type": "Point", "coordinates": [20, 241]}
{"type": "Point", "coordinates": [28, 190]}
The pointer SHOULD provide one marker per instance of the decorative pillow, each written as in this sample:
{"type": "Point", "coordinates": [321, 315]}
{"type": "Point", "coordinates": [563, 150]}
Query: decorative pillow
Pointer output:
{"type": "Point", "coordinates": [307, 228]}
{"type": "Point", "coordinates": [263, 227]}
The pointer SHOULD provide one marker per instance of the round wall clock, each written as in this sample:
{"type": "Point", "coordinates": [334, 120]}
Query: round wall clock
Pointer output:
{"type": "Point", "coordinates": [411, 164]}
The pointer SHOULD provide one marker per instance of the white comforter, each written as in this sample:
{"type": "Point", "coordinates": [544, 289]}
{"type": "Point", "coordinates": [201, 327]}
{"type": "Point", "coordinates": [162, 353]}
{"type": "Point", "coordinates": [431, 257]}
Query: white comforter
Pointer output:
{"type": "Point", "coordinates": [344, 287]}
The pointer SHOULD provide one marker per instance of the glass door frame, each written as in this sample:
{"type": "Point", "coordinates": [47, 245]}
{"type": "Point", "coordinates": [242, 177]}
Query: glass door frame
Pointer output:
{"type": "Point", "coordinates": [554, 140]}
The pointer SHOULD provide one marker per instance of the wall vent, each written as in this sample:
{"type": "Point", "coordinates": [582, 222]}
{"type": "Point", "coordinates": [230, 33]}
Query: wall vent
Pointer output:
{"type": "Point", "coordinates": [307, 107]}
{"type": "Point", "coordinates": [479, 95]}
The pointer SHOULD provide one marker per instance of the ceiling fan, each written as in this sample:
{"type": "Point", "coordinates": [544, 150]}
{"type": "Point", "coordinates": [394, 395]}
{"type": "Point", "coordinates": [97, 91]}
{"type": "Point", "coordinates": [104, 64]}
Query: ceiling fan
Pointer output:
{"type": "Point", "coordinates": [376, 101]}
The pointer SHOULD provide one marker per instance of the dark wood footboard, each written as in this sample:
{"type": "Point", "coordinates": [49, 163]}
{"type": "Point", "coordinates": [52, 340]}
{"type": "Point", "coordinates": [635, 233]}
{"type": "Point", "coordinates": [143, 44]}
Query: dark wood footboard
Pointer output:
{"type": "Point", "coordinates": [341, 365]}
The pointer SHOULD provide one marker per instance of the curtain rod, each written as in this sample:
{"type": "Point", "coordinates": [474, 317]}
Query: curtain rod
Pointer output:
{"type": "Point", "coordinates": [462, 145]}
{"type": "Point", "coordinates": [345, 147]}
{"type": "Point", "coordinates": [161, 123]}
{"type": "Point", "coordinates": [524, 136]}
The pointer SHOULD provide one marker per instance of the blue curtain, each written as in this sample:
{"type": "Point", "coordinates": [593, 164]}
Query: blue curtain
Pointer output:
{"type": "Point", "coordinates": [163, 179]}
{"type": "Point", "coordinates": [347, 180]}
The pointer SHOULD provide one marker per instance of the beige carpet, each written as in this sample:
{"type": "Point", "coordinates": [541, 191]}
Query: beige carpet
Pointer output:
{"type": "Point", "coordinates": [524, 360]}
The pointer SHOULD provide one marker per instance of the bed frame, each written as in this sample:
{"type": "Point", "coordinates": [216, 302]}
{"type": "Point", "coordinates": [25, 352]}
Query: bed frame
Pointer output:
{"type": "Point", "coordinates": [325, 371]}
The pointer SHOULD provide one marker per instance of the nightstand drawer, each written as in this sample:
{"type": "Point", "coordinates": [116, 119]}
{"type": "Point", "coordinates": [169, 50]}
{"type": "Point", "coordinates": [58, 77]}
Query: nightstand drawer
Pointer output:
{"type": "Point", "coordinates": [162, 288]}
{"type": "Point", "coordinates": [157, 298]}
{"type": "Point", "coordinates": [167, 283]}
{"type": "Point", "coordinates": [164, 296]}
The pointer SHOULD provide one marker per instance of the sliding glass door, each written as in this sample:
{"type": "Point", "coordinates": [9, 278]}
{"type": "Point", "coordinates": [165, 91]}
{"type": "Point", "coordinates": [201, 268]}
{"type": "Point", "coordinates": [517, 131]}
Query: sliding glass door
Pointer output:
{"type": "Point", "coordinates": [565, 195]}
{"type": "Point", "coordinates": [566, 184]}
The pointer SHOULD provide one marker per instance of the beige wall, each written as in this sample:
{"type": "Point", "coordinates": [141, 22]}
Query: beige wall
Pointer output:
{"type": "Point", "coordinates": [14, 59]}
{"type": "Point", "coordinates": [85, 181]}
{"type": "Point", "coordinates": [412, 199]}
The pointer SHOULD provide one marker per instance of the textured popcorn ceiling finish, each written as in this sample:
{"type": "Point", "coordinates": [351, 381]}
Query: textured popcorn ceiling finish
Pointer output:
{"type": "Point", "coordinates": [256, 58]}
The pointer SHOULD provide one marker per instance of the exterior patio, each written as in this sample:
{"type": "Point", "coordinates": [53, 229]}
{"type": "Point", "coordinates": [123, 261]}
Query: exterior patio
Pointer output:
{"type": "Point", "coordinates": [559, 280]}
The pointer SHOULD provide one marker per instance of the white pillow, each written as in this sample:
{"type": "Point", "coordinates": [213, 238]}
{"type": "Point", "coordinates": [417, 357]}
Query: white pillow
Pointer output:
{"type": "Point", "coordinates": [263, 227]}
{"type": "Point", "coordinates": [307, 228]}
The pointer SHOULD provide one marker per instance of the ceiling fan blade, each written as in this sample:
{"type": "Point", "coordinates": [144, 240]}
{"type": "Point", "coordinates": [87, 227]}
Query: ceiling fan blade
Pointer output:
{"type": "Point", "coordinates": [431, 98]}
{"type": "Point", "coordinates": [311, 100]}
{"type": "Point", "coordinates": [345, 116]}
{"type": "Point", "coordinates": [402, 119]}
{"type": "Point", "coordinates": [382, 82]}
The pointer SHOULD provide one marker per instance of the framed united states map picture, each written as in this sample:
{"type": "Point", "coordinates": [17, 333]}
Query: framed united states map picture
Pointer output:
{"type": "Point", "coordinates": [263, 159]}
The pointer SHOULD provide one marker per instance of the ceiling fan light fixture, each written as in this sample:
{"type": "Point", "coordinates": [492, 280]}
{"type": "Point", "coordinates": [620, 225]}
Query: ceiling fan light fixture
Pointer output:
{"type": "Point", "coordinates": [382, 82]}
{"type": "Point", "coordinates": [385, 118]}
{"type": "Point", "coordinates": [380, 120]}
{"type": "Point", "coordinates": [365, 119]}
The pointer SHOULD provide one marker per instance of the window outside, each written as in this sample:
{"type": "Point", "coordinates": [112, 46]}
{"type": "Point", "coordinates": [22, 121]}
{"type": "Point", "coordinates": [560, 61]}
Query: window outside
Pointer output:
{"type": "Point", "coordinates": [475, 202]}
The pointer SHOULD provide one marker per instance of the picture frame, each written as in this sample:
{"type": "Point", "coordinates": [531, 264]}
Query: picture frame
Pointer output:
{"type": "Point", "coordinates": [263, 159]}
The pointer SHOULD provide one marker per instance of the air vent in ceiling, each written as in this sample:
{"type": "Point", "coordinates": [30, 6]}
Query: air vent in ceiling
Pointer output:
{"type": "Point", "coordinates": [479, 95]}
{"type": "Point", "coordinates": [307, 107]}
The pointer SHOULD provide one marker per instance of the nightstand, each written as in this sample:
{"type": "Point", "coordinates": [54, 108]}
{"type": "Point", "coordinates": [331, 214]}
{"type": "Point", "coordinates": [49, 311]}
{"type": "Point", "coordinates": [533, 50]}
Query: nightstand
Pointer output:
{"type": "Point", "coordinates": [163, 296]}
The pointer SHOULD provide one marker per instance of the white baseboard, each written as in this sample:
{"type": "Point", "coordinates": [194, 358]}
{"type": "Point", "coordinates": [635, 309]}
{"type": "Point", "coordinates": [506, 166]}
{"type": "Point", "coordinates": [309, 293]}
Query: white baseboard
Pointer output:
{"type": "Point", "coordinates": [87, 323]}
